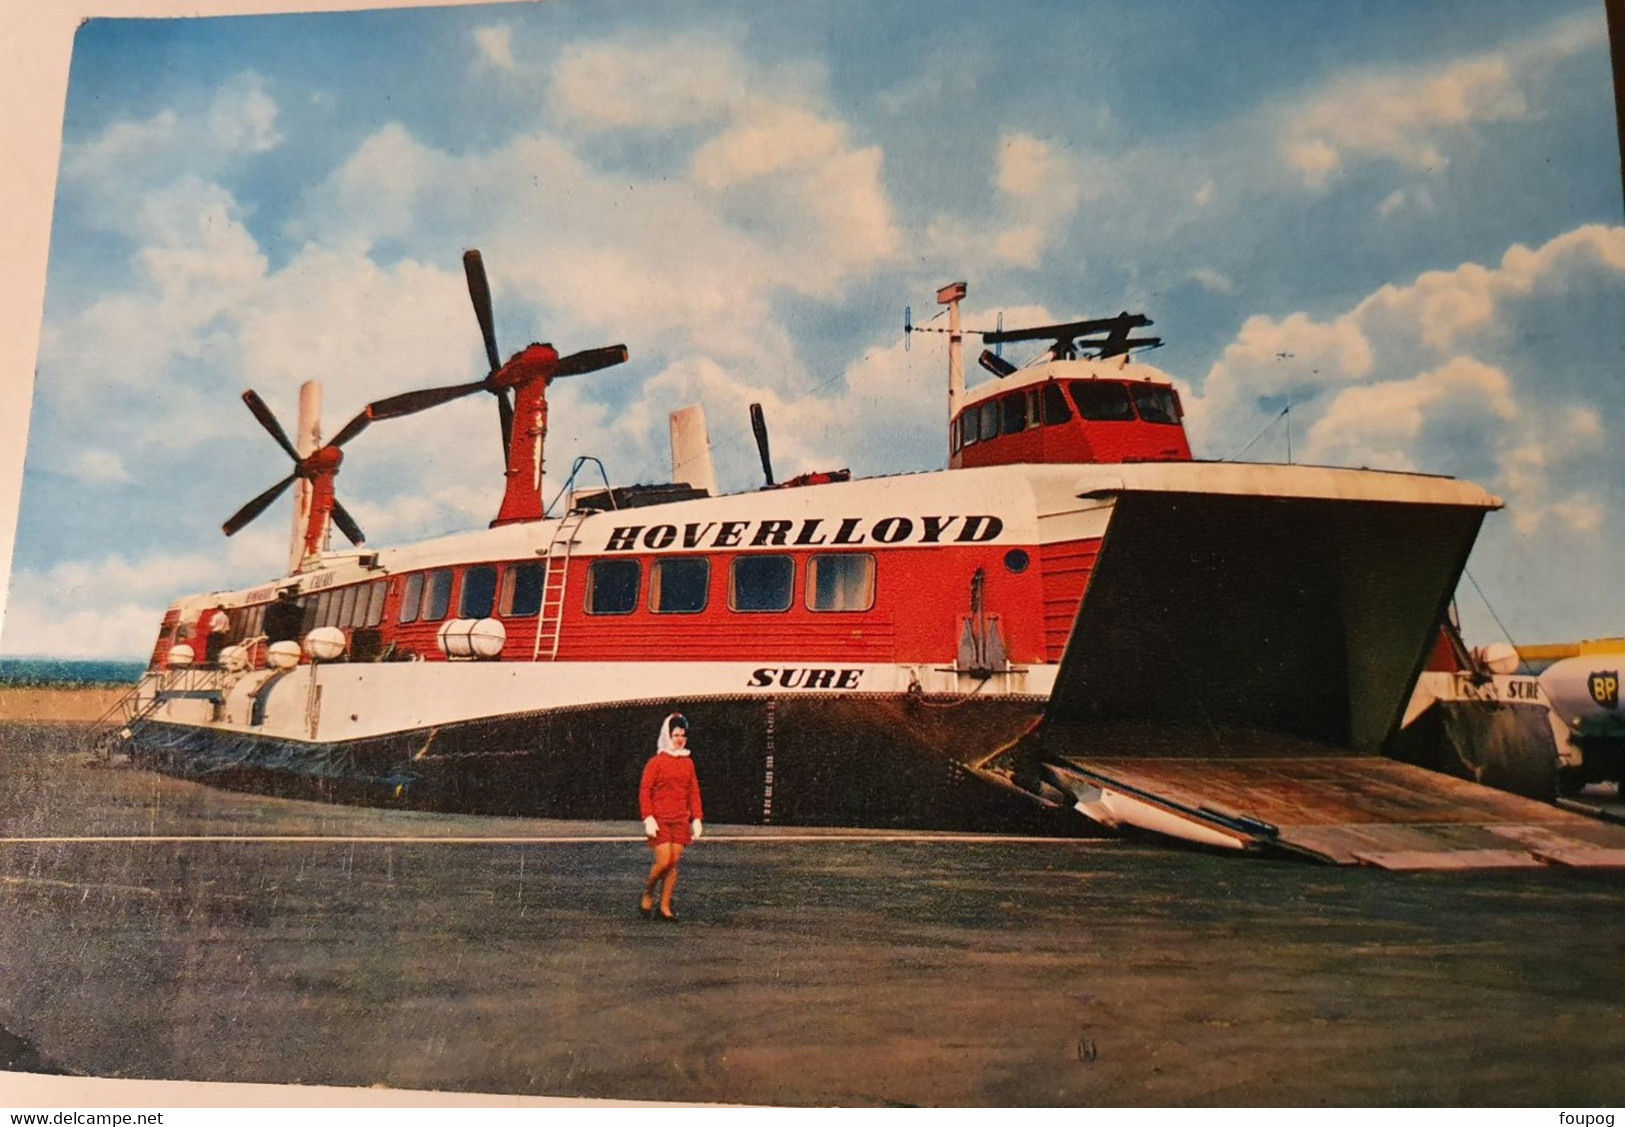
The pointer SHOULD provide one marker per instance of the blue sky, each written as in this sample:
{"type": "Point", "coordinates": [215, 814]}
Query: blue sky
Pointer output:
{"type": "Point", "coordinates": [1401, 218]}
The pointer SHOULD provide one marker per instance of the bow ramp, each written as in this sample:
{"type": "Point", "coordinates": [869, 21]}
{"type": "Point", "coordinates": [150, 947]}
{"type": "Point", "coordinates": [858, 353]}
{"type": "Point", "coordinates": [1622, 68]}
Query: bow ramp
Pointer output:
{"type": "Point", "coordinates": [1243, 654]}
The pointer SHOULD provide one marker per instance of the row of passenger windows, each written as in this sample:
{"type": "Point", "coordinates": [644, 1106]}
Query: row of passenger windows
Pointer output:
{"type": "Point", "coordinates": [677, 585]}
{"type": "Point", "coordinates": [1046, 405]}
{"type": "Point", "coordinates": [756, 584]}
{"type": "Point", "coordinates": [356, 605]}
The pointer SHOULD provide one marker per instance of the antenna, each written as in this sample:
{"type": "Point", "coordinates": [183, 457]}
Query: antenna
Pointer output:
{"type": "Point", "coordinates": [1113, 334]}
{"type": "Point", "coordinates": [951, 295]}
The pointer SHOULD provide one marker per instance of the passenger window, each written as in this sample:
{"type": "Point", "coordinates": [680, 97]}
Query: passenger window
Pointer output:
{"type": "Point", "coordinates": [1055, 408]}
{"type": "Point", "coordinates": [479, 592]}
{"type": "Point", "coordinates": [1156, 404]}
{"type": "Point", "coordinates": [521, 591]}
{"type": "Point", "coordinates": [761, 583]}
{"type": "Point", "coordinates": [612, 586]}
{"type": "Point", "coordinates": [373, 613]}
{"type": "Point", "coordinates": [844, 582]}
{"type": "Point", "coordinates": [410, 597]}
{"type": "Point", "coordinates": [345, 616]}
{"type": "Point", "coordinates": [677, 585]}
{"type": "Point", "coordinates": [1102, 401]}
{"type": "Point", "coordinates": [436, 595]}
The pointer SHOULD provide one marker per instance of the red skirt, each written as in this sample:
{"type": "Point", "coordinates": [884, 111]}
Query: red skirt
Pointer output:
{"type": "Point", "coordinates": [673, 832]}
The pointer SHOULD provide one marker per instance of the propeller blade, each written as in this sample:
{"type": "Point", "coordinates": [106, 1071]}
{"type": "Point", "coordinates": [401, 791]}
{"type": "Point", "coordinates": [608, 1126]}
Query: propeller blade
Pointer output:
{"type": "Point", "coordinates": [758, 424]}
{"type": "Point", "coordinates": [257, 506]}
{"type": "Point", "coordinates": [505, 417]}
{"type": "Point", "coordinates": [347, 524]}
{"type": "Point", "coordinates": [354, 427]}
{"type": "Point", "coordinates": [590, 360]}
{"type": "Point", "coordinates": [480, 291]}
{"type": "Point", "coordinates": [268, 421]}
{"type": "Point", "coordinates": [409, 403]}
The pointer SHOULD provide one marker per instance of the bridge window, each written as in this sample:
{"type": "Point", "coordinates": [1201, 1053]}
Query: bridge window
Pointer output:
{"type": "Point", "coordinates": [677, 585]}
{"type": "Point", "coordinates": [1013, 409]}
{"type": "Point", "coordinates": [967, 426]}
{"type": "Point", "coordinates": [1156, 404]}
{"type": "Point", "coordinates": [1055, 408]}
{"type": "Point", "coordinates": [612, 586]}
{"type": "Point", "coordinates": [844, 582]}
{"type": "Point", "coordinates": [1102, 401]}
{"type": "Point", "coordinates": [762, 583]}
{"type": "Point", "coordinates": [479, 592]}
{"type": "Point", "coordinates": [989, 425]}
{"type": "Point", "coordinates": [521, 591]}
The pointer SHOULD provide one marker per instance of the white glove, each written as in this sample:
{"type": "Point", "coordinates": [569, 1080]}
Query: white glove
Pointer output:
{"type": "Point", "coordinates": [696, 828]}
{"type": "Point", "coordinates": [650, 827]}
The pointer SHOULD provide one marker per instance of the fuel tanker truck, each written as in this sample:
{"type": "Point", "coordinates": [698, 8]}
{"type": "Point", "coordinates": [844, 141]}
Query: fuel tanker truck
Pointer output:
{"type": "Point", "coordinates": [1582, 688]}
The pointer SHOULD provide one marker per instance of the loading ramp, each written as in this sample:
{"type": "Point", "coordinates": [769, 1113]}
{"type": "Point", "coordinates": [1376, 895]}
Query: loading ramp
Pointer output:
{"type": "Point", "coordinates": [1333, 806]}
{"type": "Point", "coordinates": [1240, 661]}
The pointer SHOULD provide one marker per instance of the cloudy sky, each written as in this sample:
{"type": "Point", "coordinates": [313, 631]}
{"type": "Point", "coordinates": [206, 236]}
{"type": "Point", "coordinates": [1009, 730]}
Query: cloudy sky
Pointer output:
{"type": "Point", "coordinates": [1399, 219]}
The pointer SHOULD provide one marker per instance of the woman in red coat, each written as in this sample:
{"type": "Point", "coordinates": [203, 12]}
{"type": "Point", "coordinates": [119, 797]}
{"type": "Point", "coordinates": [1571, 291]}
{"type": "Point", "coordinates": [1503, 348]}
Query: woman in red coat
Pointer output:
{"type": "Point", "coordinates": [669, 801]}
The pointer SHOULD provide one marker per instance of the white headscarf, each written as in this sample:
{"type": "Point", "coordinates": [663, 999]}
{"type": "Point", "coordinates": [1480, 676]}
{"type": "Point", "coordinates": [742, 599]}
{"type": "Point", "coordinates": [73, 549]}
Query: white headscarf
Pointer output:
{"type": "Point", "coordinates": [664, 747]}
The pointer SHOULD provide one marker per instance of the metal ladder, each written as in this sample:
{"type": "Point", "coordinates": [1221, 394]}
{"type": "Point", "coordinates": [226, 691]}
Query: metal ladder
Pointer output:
{"type": "Point", "coordinates": [143, 699]}
{"type": "Point", "coordinates": [555, 580]}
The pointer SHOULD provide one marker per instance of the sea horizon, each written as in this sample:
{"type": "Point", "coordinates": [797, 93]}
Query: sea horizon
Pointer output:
{"type": "Point", "coordinates": [69, 671]}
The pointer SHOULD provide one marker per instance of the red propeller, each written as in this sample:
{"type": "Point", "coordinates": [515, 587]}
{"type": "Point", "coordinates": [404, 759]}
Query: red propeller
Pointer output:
{"type": "Point", "coordinates": [496, 381]}
{"type": "Point", "coordinates": [322, 462]}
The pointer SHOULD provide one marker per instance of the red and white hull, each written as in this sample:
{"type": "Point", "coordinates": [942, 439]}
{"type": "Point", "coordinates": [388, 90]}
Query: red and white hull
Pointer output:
{"type": "Point", "coordinates": [1289, 598]}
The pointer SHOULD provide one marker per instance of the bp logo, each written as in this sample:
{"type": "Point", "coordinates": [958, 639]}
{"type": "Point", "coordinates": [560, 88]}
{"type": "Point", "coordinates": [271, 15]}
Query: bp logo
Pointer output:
{"type": "Point", "coordinates": [1604, 686]}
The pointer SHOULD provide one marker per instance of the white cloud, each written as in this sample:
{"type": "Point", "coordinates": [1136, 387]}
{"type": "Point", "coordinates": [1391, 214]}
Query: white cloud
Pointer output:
{"type": "Point", "coordinates": [1579, 512]}
{"type": "Point", "coordinates": [774, 139]}
{"type": "Point", "coordinates": [116, 167]}
{"type": "Point", "coordinates": [1408, 116]}
{"type": "Point", "coordinates": [1456, 389]}
{"type": "Point", "coordinates": [111, 607]}
{"type": "Point", "coordinates": [1378, 424]}
{"type": "Point", "coordinates": [684, 81]}
{"type": "Point", "coordinates": [495, 44]}
{"type": "Point", "coordinates": [197, 267]}
{"type": "Point", "coordinates": [242, 118]}
{"type": "Point", "coordinates": [1039, 189]}
{"type": "Point", "coordinates": [1211, 280]}
{"type": "Point", "coordinates": [121, 148]}
{"type": "Point", "coordinates": [1399, 117]}
{"type": "Point", "coordinates": [98, 466]}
